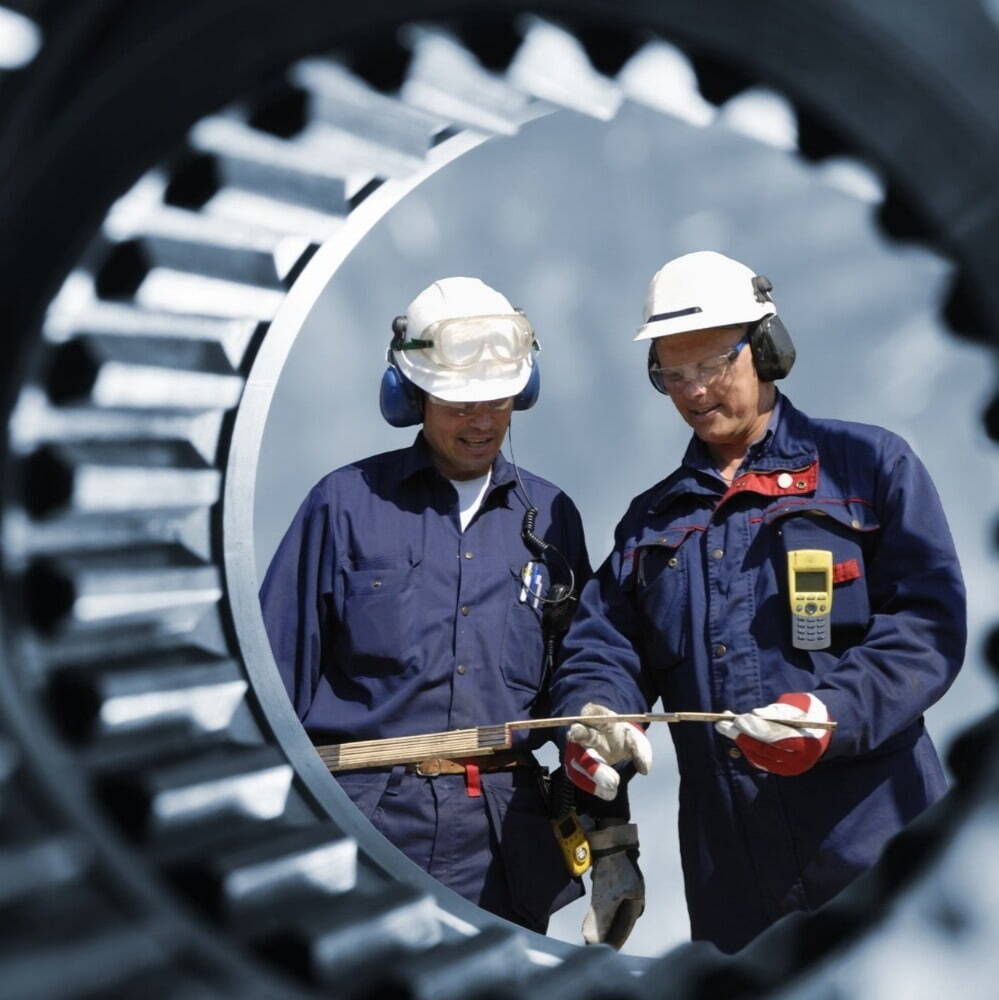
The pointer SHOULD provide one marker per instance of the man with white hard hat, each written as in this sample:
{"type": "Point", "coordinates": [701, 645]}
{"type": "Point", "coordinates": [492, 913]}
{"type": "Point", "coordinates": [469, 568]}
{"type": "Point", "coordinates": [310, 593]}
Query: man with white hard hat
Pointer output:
{"type": "Point", "coordinates": [790, 568]}
{"type": "Point", "coordinates": [414, 591]}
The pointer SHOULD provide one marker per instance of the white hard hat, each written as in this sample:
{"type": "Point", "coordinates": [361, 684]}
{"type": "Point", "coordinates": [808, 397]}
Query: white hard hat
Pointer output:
{"type": "Point", "coordinates": [464, 342]}
{"type": "Point", "coordinates": [700, 291]}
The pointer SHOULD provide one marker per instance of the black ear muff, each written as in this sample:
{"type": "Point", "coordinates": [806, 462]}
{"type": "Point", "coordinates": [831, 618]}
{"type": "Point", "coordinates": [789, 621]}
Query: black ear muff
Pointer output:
{"type": "Point", "coordinates": [652, 366]}
{"type": "Point", "coordinates": [773, 350]}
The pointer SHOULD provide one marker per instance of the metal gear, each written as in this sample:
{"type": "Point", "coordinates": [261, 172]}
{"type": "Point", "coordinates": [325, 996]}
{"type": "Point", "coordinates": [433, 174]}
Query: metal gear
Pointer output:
{"type": "Point", "coordinates": [178, 184]}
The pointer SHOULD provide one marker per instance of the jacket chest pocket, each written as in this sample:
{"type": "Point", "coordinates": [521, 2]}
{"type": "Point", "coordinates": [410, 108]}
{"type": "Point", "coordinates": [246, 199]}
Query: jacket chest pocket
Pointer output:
{"type": "Point", "coordinates": [849, 534]}
{"type": "Point", "coordinates": [659, 581]}
{"type": "Point", "coordinates": [522, 656]}
{"type": "Point", "coordinates": [378, 618]}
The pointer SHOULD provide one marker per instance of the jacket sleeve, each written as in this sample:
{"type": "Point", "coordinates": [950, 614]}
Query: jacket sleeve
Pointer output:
{"type": "Point", "coordinates": [915, 641]}
{"type": "Point", "coordinates": [295, 596]}
{"type": "Point", "coordinates": [600, 655]}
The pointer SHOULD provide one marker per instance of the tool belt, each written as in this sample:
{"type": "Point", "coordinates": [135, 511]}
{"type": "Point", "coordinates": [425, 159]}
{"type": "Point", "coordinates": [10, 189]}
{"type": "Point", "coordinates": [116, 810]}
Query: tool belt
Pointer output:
{"type": "Point", "coordinates": [502, 760]}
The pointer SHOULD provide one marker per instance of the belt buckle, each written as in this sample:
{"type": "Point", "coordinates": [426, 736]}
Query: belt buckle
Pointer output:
{"type": "Point", "coordinates": [432, 769]}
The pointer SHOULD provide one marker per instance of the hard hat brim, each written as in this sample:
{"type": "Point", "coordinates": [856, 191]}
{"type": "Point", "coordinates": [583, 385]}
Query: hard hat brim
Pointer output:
{"type": "Point", "coordinates": [707, 320]}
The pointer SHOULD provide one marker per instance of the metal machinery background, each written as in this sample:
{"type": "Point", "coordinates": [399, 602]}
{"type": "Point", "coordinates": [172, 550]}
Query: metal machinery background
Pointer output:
{"type": "Point", "coordinates": [165, 830]}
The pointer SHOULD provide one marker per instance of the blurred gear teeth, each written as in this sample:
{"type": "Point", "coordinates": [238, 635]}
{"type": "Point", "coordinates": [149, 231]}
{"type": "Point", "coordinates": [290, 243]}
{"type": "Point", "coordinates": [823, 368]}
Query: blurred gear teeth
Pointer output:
{"type": "Point", "coordinates": [352, 939]}
{"type": "Point", "coordinates": [447, 81]}
{"type": "Point", "coordinates": [121, 440]}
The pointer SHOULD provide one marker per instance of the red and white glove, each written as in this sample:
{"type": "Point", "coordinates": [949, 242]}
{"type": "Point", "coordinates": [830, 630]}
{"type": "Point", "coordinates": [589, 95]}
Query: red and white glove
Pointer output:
{"type": "Point", "coordinates": [594, 746]}
{"type": "Point", "coordinates": [776, 748]}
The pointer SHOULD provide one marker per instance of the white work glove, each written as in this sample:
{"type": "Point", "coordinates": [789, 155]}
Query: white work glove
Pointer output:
{"type": "Point", "coordinates": [593, 747]}
{"type": "Point", "coordinates": [617, 898]}
{"type": "Point", "coordinates": [776, 748]}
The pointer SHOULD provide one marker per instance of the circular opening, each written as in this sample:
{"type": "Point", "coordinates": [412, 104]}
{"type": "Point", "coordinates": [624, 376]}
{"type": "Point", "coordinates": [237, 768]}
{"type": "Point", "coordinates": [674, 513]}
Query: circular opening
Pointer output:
{"type": "Point", "coordinates": [575, 247]}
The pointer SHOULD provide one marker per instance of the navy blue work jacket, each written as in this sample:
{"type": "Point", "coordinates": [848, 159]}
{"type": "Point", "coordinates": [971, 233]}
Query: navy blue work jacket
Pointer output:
{"type": "Point", "coordinates": [692, 606]}
{"type": "Point", "coordinates": [386, 619]}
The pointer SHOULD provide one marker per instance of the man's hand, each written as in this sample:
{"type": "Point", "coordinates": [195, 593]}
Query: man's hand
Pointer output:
{"type": "Point", "coordinates": [776, 748]}
{"type": "Point", "coordinates": [618, 889]}
{"type": "Point", "coordinates": [593, 747]}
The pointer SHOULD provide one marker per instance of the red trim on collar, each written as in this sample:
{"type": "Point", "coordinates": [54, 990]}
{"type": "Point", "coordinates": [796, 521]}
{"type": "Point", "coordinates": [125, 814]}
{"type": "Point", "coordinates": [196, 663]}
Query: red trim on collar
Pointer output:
{"type": "Point", "coordinates": [778, 483]}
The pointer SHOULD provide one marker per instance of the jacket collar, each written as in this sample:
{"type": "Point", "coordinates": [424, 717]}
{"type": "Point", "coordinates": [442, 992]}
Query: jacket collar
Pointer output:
{"type": "Point", "coordinates": [787, 445]}
{"type": "Point", "coordinates": [417, 458]}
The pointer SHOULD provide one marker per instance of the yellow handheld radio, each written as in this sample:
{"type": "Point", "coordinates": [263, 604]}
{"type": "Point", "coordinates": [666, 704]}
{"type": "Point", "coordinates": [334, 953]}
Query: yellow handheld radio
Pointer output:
{"type": "Point", "coordinates": [810, 588]}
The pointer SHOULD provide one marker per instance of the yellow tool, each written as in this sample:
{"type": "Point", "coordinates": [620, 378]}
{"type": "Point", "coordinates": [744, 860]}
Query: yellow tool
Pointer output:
{"type": "Point", "coordinates": [573, 844]}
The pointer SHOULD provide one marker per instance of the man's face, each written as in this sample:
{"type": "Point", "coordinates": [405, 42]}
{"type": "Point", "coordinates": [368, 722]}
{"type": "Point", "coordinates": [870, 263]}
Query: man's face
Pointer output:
{"type": "Point", "coordinates": [464, 441]}
{"type": "Point", "coordinates": [732, 409]}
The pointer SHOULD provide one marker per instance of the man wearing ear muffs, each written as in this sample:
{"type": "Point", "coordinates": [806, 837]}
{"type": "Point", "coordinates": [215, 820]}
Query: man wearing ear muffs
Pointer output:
{"type": "Point", "coordinates": [790, 568]}
{"type": "Point", "coordinates": [408, 597]}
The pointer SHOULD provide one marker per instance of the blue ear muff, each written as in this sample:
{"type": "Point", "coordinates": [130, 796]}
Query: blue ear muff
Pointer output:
{"type": "Point", "coordinates": [402, 404]}
{"type": "Point", "coordinates": [528, 396]}
{"type": "Point", "coordinates": [400, 401]}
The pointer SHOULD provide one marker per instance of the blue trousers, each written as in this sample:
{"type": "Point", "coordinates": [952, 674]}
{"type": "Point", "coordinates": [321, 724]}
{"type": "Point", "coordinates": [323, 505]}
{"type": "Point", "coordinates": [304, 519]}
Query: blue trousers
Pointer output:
{"type": "Point", "coordinates": [497, 850]}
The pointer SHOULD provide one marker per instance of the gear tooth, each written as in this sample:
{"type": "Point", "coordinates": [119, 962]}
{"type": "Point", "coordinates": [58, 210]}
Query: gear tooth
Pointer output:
{"type": "Point", "coordinates": [242, 881]}
{"type": "Point", "coordinates": [353, 938]}
{"type": "Point", "coordinates": [182, 690]}
{"type": "Point", "coordinates": [552, 65]}
{"type": "Point", "coordinates": [39, 865]}
{"type": "Point", "coordinates": [585, 977]}
{"type": "Point", "coordinates": [493, 959]}
{"type": "Point", "coordinates": [81, 951]}
{"type": "Point", "coordinates": [398, 136]}
{"type": "Point", "coordinates": [446, 81]}
{"type": "Point", "coordinates": [113, 478]}
{"type": "Point", "coordinates": [159, 588]}
{"type": "Point", "coordinates": [171, 796]}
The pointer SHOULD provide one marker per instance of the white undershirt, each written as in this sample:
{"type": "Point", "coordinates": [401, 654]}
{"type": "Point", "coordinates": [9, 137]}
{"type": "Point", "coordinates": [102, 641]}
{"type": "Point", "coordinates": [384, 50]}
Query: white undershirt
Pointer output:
{"type": "Point", "coordinates": [470, 494]}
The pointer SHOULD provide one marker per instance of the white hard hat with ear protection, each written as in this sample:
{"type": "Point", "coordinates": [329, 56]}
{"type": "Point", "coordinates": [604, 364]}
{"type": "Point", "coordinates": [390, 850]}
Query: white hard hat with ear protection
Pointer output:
{"type": "Point", "coordinates": [706, 290]}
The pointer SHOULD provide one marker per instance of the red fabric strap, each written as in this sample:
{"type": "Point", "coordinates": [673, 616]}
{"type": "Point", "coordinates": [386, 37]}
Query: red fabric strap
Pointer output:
{"type": "Point", "coordinates": [473, 786]}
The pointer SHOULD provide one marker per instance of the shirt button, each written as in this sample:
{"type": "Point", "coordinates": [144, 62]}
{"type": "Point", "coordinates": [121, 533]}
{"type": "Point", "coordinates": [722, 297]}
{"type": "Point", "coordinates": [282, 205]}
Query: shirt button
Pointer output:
{"type": "Point", "coordinates": [672, 562]}
{"type": "Point", "coordinates": [734, 752]}
{"type": "Point", "coordinates": [784, 480]}
{"type": "Point", "coordinates": [721, 649]}
{"type": "Point", "coordinates": [465, 609]}
{"type": "Point", "coordinates": [855, 524]}
{"type": "Point", "coordinates": [462, 668]}
{"type": "Point", "coordinates": [468, 555]}
{"type": "Point", "coordinates": [716, 554]}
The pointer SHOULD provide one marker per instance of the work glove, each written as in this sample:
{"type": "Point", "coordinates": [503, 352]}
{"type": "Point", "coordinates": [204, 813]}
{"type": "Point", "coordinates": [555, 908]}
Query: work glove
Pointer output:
{"type": "Point", "coordinates": [776, 748]}
{"type": "Point", "coordinates": [593, 747]}
{"type": "Point", "coordinates": [617, 898]}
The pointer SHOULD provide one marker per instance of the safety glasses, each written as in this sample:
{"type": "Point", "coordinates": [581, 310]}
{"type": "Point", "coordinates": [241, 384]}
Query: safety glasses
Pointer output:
{"type": "Point", "coordinates": [461, 342]}
{"type": "Point", "coordinates": [699, 373]}
{"type": "Point", "coordinates": [466, 409]}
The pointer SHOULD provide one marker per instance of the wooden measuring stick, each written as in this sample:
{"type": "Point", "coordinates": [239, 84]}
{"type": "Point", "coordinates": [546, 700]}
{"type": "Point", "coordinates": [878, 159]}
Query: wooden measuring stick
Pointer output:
{"type": "Point", "coordinates": [485, 740]}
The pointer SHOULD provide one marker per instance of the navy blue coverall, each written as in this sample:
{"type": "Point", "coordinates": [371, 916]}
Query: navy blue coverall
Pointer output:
{"type": "Point", "coordinates": [692, 606]}
{"type": "Point", "coordinates": [386, 619]}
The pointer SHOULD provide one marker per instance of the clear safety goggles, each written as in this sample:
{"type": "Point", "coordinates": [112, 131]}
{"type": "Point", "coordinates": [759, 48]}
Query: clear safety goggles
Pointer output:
{"type": "Point", "coordinates": [461, 342]}
{"type": "Point", "coordinates": [699, 373]}
{"type": "Point", "coordinates": [466, 409]}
